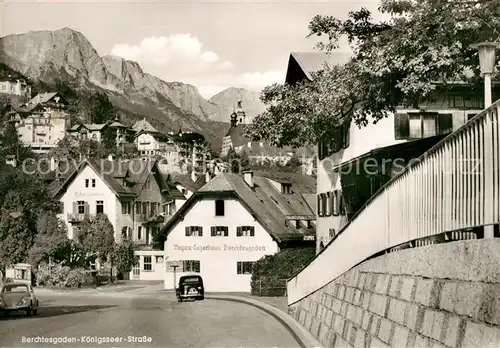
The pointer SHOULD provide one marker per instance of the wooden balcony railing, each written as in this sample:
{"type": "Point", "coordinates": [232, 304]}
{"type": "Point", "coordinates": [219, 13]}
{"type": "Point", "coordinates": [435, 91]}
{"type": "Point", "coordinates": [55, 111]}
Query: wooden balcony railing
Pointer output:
{"type": "Point", "coordinates": [75, 217]}
{"type": "Point", "coordinates": [453, 187]}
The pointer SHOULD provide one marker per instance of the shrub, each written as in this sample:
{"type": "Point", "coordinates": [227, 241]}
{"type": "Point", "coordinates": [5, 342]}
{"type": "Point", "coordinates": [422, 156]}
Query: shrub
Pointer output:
{"type": "Point", "coordinates": [75, 278]}
{"type": "Point", "coordinates": [270, 273]}
{"type": "Point", "coordinates": [59, 275]}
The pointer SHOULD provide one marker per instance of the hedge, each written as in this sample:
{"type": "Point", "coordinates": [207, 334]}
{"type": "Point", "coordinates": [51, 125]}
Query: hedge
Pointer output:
{"type": "Point", "coordinates": [269, 274]}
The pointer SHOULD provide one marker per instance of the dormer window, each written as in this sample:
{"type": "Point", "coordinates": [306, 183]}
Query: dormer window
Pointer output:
{"type": "Point", "coordinates": [286, 188]}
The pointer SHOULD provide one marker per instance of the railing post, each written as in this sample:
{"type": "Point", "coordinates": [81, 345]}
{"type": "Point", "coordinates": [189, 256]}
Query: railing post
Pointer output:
{"type": "Point", "coordinates": [488, 176]}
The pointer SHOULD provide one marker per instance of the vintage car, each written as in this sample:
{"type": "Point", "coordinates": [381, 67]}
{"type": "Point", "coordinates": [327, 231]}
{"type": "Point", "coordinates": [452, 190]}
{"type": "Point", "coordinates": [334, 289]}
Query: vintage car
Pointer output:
{"type": "Point", "coordinates": [18, 296]}
{"type": "Point", "coordinates": [190, 286]}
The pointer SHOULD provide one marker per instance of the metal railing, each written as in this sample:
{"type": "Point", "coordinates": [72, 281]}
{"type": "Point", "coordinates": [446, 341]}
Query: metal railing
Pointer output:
{"type": "Point", "coordinates": [454, 186]}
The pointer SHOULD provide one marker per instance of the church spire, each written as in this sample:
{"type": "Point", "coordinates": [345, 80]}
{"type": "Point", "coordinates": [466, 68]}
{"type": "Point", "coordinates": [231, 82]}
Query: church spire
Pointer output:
{"type": "Point", "coordinates": [241, 113]}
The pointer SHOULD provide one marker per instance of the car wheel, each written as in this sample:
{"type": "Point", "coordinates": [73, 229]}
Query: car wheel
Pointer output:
{"type": "Point", "coordinates": [202, 297]}
{"type": "Point", "coordinates": [179, 300]}
{"type": "Point", "coordinates": [29, 311]}
{"type": "Point", "coordinates": [35, 311]}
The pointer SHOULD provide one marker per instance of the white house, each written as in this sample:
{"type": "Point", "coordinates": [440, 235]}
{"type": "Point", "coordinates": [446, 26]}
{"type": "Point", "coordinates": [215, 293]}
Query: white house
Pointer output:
{"type": "Point", "coordinates": [15, 86]}
{"type": "Point", "coordinates": [232, 222]}
{"type": "Point", "coordinates": [134, 195]}
{"type": "Point", "coordinates": [358, 161]}
{"type": "Point", "coordinates": [41, 123]}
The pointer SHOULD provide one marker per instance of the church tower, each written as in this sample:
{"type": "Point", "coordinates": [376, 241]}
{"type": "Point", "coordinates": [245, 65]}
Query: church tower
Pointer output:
{"type": "Point", "coordinates": [241, 114]}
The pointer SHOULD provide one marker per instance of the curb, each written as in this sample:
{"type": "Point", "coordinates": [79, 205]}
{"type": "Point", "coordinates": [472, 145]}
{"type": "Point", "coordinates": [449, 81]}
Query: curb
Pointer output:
{"type": "Point", "coordinates": [301, 335]}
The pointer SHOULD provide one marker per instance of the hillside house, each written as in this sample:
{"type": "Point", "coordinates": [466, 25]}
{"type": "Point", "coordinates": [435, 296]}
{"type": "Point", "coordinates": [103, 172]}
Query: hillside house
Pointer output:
{"type": "Point", "coordinates": [233, 221]}
{"type": "Point", "coordinates": [41, 122]}
{"type": "Point", "coordinates": [15, 86]}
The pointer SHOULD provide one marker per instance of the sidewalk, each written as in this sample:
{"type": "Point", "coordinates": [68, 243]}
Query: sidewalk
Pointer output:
{"type": "Point", "coordinates": [303, 337]}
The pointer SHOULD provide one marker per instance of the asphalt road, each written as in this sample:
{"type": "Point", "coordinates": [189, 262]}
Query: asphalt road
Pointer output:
{"type": "Point", "coordinates": [77, 320]}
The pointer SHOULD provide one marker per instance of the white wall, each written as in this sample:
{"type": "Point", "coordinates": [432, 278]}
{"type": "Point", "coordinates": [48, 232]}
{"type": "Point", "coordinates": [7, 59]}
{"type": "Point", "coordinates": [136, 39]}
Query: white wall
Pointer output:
{"type": "Point", "coordinates": [146, 142]}
{"type": "Point", "coordinates": [157, 271]}
{"type": "Point", "coordinates": [77, 191]}
{"type": "Point", "coordinates": [217, 267]}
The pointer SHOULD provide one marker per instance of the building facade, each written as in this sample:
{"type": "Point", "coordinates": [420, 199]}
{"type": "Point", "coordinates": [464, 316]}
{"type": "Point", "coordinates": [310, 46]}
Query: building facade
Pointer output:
{"type": "Point", "coordinates": [15, 86]}
{"type": "Point", "coordinates": [134, 195]}
{"type": "Point", "coordinates": [353, 165]}
{"type": "Point", "coordinates": [41, 123]}
{"type": "Point", "coordinates": [229, 224]}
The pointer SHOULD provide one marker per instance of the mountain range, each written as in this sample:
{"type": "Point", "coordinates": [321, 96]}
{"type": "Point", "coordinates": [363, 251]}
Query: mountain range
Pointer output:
{"type": "Point", "coordinates": [66, 55]}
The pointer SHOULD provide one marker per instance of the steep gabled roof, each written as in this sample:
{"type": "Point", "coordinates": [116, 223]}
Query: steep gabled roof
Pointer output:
{"type": "Point", "coordinates": [258, 201]}
{"type": "Point", "coordinates": [300, 183]}
{"type": "Point", "coordinates": [143, 125]}
{"type": "Point", "coordinates": [186, 181]}
{"type": "Point", "coordinates": [42, 98]}
{"type": "Point", "coordinates": [302, 64]}
{"type": "Point", "coordinates": [124, 178]}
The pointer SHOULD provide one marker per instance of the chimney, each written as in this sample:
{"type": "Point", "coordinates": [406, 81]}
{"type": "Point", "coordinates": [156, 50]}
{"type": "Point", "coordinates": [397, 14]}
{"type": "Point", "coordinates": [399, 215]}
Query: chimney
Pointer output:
{"type": "Point", "coordinates": [207, 176]}
{"type": "Point", "coordinates": [193, 175]}
{"type": "Point", "coordinates": [248, 176]}
{"type": "Point", "coordinates": [53, 164]}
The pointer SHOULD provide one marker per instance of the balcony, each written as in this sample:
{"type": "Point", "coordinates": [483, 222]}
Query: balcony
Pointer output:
{"type": "Point", "coordinates": [452, 192]}
{"type": "Point", "coordinates": [76, 218]}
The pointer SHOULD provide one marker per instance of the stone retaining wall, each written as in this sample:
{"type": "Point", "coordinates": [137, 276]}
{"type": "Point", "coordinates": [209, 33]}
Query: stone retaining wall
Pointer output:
{"type": "Point", "coordinates": [396, 300]}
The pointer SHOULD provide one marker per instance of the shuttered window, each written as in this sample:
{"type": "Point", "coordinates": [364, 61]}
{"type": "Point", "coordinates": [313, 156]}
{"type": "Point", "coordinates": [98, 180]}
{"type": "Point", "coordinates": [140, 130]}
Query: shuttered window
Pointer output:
{"type": "Point", "coordinates": [328, 204]}
{"type": "Point", "coordinates": [194, 231]}
{"type": "Point", "coordinates": [219, 231]}
{"type": "Point", "coordinates": [335, 203]}
{"type": "Point", "coordinates": [445, 123]}
{"type": "Point", "coordinates": [319, 204]}
{"type": "Point", "coordinates": [245, 231]}
{"type": "Point", "coordinates": [401, 126]}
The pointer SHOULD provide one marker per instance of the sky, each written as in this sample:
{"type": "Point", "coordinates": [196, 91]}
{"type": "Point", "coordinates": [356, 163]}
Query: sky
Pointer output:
{"type": "Point", "coordinates": [212, 45]}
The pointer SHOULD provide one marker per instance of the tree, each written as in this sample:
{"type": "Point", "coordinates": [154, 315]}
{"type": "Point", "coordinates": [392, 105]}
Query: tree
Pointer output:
{"type": "Point", "coordinates": [396, 62]}
{"type": "Point", "coordinates": [51, 241]}
{"type": "Point", "coordinates": [109, 140]}
{"type": "Point", "coordinates": [294, 162]}
{"type": "Point", "coordinates": [236, 162]}
{"type": "Point", "coordinates": [124, 256]}
{"type": "Point", "coordinates": [15, 236]}
{"type": "Point", "coordinates": [100, 108]}
{"type": "Point", "coordinates": [98, 237]}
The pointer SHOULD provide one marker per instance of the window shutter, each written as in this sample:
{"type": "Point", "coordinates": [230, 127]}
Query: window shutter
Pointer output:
{"type": "Point", "coordinates": [226, 231]}
{"type": "Point", "coordinates": [342, 203]}
{"type": "Point", "coordinates": [318, 204]}
{"type": "Point", "coordinates": [238, 231]}
{"type": "Point", "coordinates": [252, 231]}
{"type": "Point", "coordinates": [328, 206]}
{"type": "Point", "coordinates": [321, 149]}
{"type": "Point", "coordinates": [75, 208]}
{"type": "Point", "coordinates": [445, 123]}
{"type": "Point", "coordinates": [401, 126]}
{"type": "Point", "coordinates": [347, 134]}
{"type": "Point", "coordinates": [87, 208]}
{"type": "Point", "coordinates": [187, 231]}
{"type": "Point", "coordinates": [212, 231]}
{"type": "Point", "coordinates": [324, 205]}
{"type": "Point", "coordinates": [200, 231]}
{"type": "Point", "coordinates": [338, 202]}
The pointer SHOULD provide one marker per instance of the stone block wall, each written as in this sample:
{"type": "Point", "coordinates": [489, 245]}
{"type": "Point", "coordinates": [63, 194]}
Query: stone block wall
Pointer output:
{"type": "Point", "coordinates": [387, 302]}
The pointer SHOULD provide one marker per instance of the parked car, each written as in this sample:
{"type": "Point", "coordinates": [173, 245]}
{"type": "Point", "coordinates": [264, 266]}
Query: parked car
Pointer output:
{"type": "Point", "coordinates": [18, 296]}
{"type": "Point", "coordinates": [190, 286]}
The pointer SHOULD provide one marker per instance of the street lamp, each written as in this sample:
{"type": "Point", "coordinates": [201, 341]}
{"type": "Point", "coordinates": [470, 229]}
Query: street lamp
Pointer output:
{"type": "Point", "coordinates": [487, 59]}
